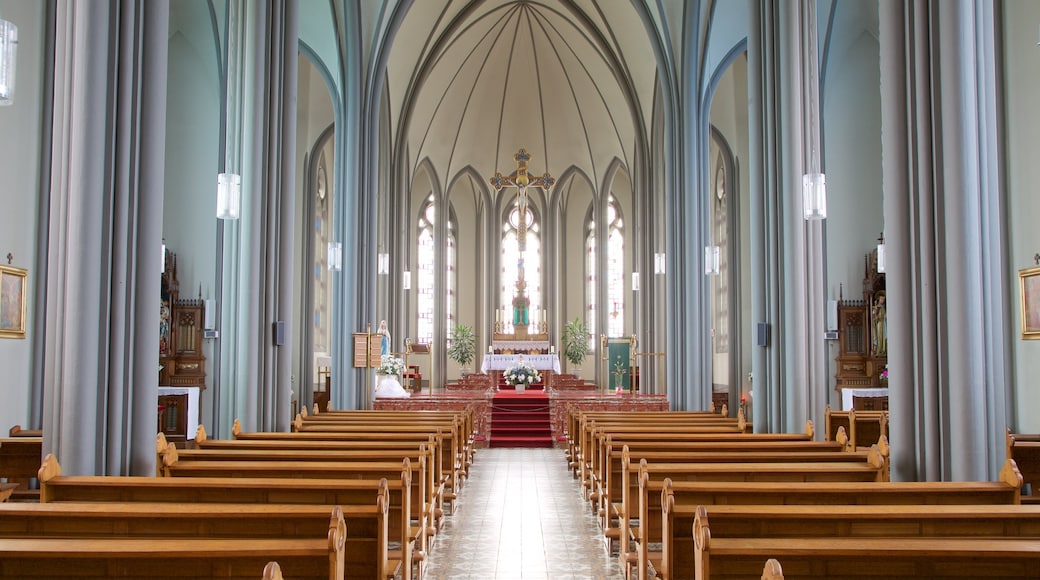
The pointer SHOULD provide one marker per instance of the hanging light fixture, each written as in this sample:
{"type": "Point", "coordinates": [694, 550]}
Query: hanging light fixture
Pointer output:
{"type": "Point", "coordinates": [335, 256]}
{"type": "Point", "coordinates": [383, 266]}
{"type": "Point", "coordinates": [229, 196]}
{"type": "Point", "coordinates": [659, 263]}
{"type": "Point", "coordinates": [8, 48]}
{"type": "Point", "coordinates": [814, 182]}
{"type": "Point", "coordinates": [407, 280]}
{"type": "Point", "coordinates": [711, 260]}
{"type": "Point", "coordinates": [635, 281]}
{"type": "Point", "coordinates": [881, 254]}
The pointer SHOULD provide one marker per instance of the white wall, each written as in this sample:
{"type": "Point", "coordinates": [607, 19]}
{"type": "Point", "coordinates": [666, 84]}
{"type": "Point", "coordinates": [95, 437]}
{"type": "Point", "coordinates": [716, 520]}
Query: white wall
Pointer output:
{"type": "Point", "coordinates": [1022, 59]}
{"type": "Point", "coordinates": [19, 192]}
{"type": "Point", "coordinates": [851, 152]}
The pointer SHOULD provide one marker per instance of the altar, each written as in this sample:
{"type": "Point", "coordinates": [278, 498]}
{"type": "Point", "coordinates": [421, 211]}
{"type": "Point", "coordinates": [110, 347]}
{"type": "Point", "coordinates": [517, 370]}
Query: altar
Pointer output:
{"type": "Point", "coordinates": [501, 362]}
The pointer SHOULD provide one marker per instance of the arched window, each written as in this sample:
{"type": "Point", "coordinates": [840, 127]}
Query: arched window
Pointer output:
{"type": "Point", "coordinates": [425, 254]}
{"type": "Point", "coordinates": [615, 274]}
{"type": "Point", "coordinates": [532, 263]}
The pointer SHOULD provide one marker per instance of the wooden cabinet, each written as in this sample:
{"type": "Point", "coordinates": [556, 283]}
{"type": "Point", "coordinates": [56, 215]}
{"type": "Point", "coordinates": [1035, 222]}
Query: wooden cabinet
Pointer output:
{"type": "Point", "coordinates": [173, 417]}
{"type": "Point", "coordinates": [181, 323]}
{"type": "Point", "coordinates": [862, 333]}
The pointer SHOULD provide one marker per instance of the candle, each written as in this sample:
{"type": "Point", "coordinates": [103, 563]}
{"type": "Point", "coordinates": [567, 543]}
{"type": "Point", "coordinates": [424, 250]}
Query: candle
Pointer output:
{"type": "Point", "coordinates": [497, 318]}
{"type": "Point", "coordinates": [490, 351]}
{"type": "Point", "coordinates": [552, 350]}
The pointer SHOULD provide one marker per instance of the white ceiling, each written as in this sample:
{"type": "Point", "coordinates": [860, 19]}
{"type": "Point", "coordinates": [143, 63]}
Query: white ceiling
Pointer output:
{"type": "Point", "coordinates": [572, 81]}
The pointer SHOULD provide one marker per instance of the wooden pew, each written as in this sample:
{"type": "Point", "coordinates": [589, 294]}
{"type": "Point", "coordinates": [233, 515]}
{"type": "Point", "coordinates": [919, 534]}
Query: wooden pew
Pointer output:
{"type": "Point", "coordinates": [864, 428]}
{"type": "Point", "coordinates": [828, 521]}
{"type": "Point", "coordinates": [17, 431]}
{"type": "Point", "coordinates": [650, 527]}
{"type": "Point", "coordinates": [611, 503]}
{"type": "Point", "coordinates": [55, 487]}
{"type": "Point", "coordinates": [878, 557]}
{"type": "Point", "coordinates": [365, 549]}
{"type": "Point", "coordinates": [670, 507]}
{"type": "Point", "coordinates": [122, 557]}
{"type": "Point", "coordinates": [448, 443]}
{"type": "Point", "coordinates": [1025, 451]}
{"type": "Point", "coordinates": [466, 419]}
{"type": "Point", "coordinates": [20, 458]}
{"type": "Point", "coordinates": [412, 526]}
{"type": "Point", "coordinates": [428, 498]}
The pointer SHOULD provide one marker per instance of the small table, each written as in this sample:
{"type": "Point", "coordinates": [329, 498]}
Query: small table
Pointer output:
{"type": "Point", "coordinates": [494, 364]}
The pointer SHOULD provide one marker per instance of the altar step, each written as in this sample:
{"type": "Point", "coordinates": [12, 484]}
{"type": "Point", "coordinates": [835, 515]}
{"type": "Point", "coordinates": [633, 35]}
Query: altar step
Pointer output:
{"type": "Point", "coordinates": [520, 420]}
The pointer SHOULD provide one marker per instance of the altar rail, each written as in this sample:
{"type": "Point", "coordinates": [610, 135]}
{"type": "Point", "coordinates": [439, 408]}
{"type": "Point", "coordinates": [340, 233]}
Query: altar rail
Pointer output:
{"type": "Point", "coordinates": [559, 404]}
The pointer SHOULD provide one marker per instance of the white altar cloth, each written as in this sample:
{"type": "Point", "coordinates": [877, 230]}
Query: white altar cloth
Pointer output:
{"type": "Point", "coordinates": [541, 362]}
{"type": "Point", "coordinates": [847, 394]}
{"type": "Point", "coordinates": [193, 406]}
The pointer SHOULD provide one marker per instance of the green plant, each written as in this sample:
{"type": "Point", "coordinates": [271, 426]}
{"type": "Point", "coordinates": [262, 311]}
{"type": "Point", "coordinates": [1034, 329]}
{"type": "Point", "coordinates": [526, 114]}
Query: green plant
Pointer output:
{"type": "Point", "coordinates": [463, 347]}
{"type": "Point", "coordinates": [575, 341]}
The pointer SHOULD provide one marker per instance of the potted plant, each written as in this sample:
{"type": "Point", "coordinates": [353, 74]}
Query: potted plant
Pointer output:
{"type": "Point", "coordinates": [463, 347]}
{"type": "Point", "coordinates": [575, 342]}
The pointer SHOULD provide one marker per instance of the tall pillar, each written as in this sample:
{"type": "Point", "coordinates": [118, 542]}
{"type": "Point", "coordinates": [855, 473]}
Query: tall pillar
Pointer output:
{"type": "Point", "coordinates": [944, 215]}
{"type": "Point", "coordinates": [100, 371]}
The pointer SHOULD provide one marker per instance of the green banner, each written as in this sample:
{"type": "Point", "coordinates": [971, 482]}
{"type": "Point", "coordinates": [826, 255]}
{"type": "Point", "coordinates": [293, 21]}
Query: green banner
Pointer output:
{"type": "Point", "coordinates": [619, 361]}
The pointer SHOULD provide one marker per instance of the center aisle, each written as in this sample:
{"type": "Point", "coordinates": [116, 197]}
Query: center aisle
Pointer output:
{"type": "Point", "coordinates": [521, 517]}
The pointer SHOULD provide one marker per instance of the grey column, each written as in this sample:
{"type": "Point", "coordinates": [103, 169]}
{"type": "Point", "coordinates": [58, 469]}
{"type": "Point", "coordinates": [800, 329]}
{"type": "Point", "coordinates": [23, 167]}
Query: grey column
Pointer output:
{"type": "Point", "coordinates": [948, 304]}
{"type": "Point", "coordinates": [259, 248]}
{"type": "Point", "coordinates": [107, 148]}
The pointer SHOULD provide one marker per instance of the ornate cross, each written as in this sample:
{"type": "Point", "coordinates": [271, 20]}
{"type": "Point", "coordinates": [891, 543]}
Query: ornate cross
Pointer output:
{"type": "Point", "coordinates": [521, 181]}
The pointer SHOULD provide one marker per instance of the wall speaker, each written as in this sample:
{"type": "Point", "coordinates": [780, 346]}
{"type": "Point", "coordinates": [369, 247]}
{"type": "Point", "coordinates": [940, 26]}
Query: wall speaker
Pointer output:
{"type": "Point", "coordinates": [832, 315]}
{"type": "Point", "coordinates": [762, 334]}
{"type": "Point", "coordinates": [210, 321]}
{"type": "Point", "coordinates": [279, 333]}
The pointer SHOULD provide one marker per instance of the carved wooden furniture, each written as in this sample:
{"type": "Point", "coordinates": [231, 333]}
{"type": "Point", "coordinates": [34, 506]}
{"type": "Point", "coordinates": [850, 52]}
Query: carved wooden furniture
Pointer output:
{"type": "Point", "coordinates": [862, 335]}
{"type": "Point", "coordinates": [180, 333]}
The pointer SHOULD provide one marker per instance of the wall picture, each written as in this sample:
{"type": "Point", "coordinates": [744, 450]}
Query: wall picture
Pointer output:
{"type": "Point", "coordinates": [1029, 285]}
{"type": "Point", "coordinates": [12, 302]}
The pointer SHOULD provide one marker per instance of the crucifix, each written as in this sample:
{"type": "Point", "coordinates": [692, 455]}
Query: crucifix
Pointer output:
{"type": "Point", "coordinates": [521, 181]}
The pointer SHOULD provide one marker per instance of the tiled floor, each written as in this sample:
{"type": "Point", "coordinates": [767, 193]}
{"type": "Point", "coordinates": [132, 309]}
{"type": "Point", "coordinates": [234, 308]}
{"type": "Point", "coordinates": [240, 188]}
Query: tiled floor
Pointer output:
{"type": "Point", "coordinates": [520, 516]}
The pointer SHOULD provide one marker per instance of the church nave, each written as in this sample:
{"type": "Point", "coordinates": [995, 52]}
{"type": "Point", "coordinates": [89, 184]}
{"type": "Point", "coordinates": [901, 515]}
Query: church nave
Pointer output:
{"type": "Point", "coordinates": [521, 516]}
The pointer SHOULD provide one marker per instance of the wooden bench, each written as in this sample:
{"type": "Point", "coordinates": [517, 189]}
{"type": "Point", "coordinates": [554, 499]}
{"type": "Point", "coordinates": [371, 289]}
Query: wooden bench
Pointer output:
{"type": "Point", "coordinates": [17, 431]}
{"type": "Point", "coordinates": [864, 428]}
{"type": "Point", "coordinates": [449, 444]}
{"type": "Point", "coordinates": [720, 558]}
{"type": "Point", "coordinates": [134, 557]}
{"type": "Point", "coordinates": [649, 527]}
{"type": "Point", "coordinates": [411, 528]}
{"type": "Point", "coordinates": [829, 521]}
{"type": "Point", "coordinates": [669, 507]}
{"type": "Point", "coordinates": [612, 497]}
{"type": "Point", "coordinates": [428, 498]}
{"type": "Point", "coordinates": [365, 551]}
{"type": "Point", "coordinates": [55, 487]}
{"type": "Point", "coordinates": [1025, 450]}
{"type": "Point", "coordinates": [20, 459]}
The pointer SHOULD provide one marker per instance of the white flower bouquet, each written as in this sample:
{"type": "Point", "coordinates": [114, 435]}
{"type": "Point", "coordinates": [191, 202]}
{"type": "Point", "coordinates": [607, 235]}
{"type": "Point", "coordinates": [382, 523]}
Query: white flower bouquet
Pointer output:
{"type": "Point", "coordinates": [522, 373]}
{"type": "Point", "coordinates": [391, 365]}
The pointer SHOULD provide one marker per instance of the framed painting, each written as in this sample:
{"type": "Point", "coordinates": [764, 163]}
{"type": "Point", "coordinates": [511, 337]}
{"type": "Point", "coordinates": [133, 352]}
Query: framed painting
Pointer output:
{"type": "Point", "coordinates": [12, 301]}
{"type": "Point", "coordinates": [1029, 286]}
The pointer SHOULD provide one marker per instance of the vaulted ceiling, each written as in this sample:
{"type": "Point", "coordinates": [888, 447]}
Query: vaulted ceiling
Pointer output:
{"type": "Point", "coordinates": [572, 81]}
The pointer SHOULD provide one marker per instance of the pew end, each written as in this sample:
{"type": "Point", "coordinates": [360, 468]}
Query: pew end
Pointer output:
{"type": "Point", "coordinates": [272, 571]}
{"type": "Point", "coordinates": [200, 434]}
{"type": "Point", "coordinates": [236, 428]}
{"type": "Point", "coordinates": [772, 570]}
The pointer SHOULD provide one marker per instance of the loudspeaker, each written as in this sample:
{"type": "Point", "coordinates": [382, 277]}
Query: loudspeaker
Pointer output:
{"type": "Point", "coordinates": [762, 334]}
{"type": "Point", "coordinates": [210, 319]}
{"type": "Point", "coordinates": [279, 333]}
{"type": "Point", "coordinates": [832, 315]}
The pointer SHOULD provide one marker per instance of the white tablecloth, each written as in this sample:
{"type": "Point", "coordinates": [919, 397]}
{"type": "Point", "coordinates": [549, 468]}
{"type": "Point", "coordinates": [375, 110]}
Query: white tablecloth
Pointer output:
{"type": "Point", "coordinates": [847, 394]}
{"type": "Point", "coordinates": [193, 406]}
{"type": "Point", "coordinates": [500, 362]}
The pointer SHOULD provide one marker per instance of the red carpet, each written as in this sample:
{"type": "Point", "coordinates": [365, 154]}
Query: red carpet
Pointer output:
{"type": "Point", "coordinates": [520, 420]}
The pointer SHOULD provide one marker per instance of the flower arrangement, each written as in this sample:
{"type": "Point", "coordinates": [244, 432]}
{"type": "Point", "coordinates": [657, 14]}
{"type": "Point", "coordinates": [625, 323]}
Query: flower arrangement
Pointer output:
{"type": "Point", "coordinates": [619, 373]}
{"type": "Point", "coordinates": [521, 373]}
{"type": "Point", "coordinates": [391, 365]}
{"type": "Point", "coordinates": [884, 374]}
